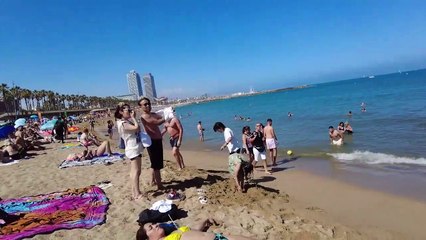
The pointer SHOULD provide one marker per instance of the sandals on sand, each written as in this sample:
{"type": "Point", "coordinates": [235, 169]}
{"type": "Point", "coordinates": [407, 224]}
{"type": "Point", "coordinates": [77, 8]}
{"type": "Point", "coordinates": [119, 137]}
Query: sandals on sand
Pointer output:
{"type": "Point", "coordinates": [202, 198]}
{"type": "Point", "coordinates": [174, 195]}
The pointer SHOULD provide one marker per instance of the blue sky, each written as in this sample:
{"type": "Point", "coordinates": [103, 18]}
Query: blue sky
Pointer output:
{"type": "Point", "coordinates": [210, 46]}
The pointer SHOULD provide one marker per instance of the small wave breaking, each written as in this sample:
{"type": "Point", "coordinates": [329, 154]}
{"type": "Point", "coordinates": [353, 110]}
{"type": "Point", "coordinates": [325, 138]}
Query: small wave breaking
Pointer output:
{"type": "Point", "coordinates": [376, 158]}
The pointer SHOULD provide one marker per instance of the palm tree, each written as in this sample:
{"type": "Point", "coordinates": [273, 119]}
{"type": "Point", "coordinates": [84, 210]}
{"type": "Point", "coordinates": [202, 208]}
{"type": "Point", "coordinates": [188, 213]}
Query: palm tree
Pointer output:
{"type": "Point", "coordinates": [17, 96]}
{"type": "Point", "coordinates": [3, 90]}
{"type": "Point", "coordinates": [26, 95]}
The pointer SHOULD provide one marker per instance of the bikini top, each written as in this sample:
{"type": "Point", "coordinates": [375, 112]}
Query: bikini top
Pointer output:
{"type": "Point", "coordinates": [176, 235]}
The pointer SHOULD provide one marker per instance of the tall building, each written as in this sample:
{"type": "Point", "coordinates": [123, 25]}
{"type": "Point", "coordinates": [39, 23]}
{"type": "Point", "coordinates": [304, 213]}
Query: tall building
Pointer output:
{"type": "Point", "coordinates": [135, 85]}
{"type": "Point", "coordinates": [149, 85]}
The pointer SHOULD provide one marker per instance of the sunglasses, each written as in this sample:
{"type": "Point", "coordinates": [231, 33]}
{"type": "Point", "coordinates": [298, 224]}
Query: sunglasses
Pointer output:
{"type": "Point", "coordinates": [146, 104]}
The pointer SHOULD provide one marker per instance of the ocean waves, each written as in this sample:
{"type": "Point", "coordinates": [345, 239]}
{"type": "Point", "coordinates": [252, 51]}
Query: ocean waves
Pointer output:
{"type": "Point", "coordinates": [367, 157]}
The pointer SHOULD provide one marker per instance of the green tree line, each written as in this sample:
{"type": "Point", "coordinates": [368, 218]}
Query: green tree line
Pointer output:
{"type": "Point", "coordinates": [25, 100]}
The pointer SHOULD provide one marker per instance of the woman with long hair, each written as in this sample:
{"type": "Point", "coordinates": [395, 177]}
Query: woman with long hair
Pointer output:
{"type": "Point", "coordinates": [128, 129]}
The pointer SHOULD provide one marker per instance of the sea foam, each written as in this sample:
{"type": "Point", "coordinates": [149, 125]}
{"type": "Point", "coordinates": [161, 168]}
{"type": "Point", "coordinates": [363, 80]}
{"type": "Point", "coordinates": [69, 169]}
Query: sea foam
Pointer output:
{"type": "Point", "coordinates": [376, 158]}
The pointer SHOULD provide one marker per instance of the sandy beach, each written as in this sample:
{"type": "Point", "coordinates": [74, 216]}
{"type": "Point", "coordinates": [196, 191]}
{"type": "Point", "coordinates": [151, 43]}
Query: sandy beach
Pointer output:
{"type": "Point", "coordinates": [290, 204]}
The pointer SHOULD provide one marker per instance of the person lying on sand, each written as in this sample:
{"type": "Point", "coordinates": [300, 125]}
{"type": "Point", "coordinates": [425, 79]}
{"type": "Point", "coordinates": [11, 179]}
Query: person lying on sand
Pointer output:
{"type": "Point", "coordinates": [150, 231]}
{"type": "Point", "coordinates": [90, 154]}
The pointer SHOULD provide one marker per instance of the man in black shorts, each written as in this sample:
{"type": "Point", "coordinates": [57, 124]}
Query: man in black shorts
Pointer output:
{"type": "Point", "coordinates": [151, 121]}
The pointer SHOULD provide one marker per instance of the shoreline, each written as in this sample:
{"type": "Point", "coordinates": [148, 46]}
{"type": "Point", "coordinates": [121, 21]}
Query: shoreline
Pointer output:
{"type": "Point", "coordinates": [326, 199]}
{"type": "Point", "coordinates": [291, 203]}
{"type": "Point", "coordinates": [364, 176]}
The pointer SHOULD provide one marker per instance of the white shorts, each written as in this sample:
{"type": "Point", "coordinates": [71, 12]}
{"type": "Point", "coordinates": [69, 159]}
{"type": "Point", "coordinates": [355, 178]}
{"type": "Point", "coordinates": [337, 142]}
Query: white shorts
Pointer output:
{"type": "Point", "coordinates": [271, 143]}
{"type": "Point", "coordinates": [258, 155]}
{"type": "Point", "coordinates": [338, 142]}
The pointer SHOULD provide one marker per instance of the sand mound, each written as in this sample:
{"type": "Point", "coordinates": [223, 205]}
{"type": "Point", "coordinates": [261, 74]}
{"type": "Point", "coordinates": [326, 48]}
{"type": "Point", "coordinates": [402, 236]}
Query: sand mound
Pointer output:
{"type": "Point", "coordinates": [261, 213]}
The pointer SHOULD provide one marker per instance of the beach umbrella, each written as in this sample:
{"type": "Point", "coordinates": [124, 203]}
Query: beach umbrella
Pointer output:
{"type": "Point", "coordinates": [5, 130]}
{"type": "Point", "coordinates": [49, 125]}
{"type": "Point", "coordinates": [33, 116]}
{"type": "Point", "coordinates": [20, 122]}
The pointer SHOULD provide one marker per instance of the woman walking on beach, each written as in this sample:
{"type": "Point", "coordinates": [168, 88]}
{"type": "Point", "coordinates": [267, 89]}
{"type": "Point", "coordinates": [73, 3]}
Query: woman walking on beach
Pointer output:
{"type": "Point", "coordinates": [128, 130]}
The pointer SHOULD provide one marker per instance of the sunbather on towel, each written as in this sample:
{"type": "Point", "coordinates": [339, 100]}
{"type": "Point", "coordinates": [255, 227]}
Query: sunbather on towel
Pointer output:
{"type": "Point", "coordinates": [150, 231]}
{"type": "Point", "coordinates": [90, 154]}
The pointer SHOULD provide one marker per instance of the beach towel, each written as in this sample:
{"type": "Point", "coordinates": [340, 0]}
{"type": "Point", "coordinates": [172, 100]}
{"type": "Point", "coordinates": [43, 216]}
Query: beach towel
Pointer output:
{"type": "Point", "coordinates": [104, 159]}
{"type": "Point", "coordinates": [73, 208]}
{"type": "Point", "coordinates": [71, 145]}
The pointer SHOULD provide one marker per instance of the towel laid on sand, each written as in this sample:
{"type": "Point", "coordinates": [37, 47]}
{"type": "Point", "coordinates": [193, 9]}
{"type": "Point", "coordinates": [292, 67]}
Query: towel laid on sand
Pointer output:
{"type": "Point", "coordinates": [104, 159]}
{"type": "Point", "coordinates": [73, 208]}
{"type": "Point", "coordinates": [71, 145]}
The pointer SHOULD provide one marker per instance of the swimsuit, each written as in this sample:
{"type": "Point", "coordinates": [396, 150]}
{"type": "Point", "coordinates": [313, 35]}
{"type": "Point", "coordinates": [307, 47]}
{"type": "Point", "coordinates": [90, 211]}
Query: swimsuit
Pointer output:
{"type": "Point", "coordinates": [271, 143]}
{"type": "Point", "coordinates": [338, 142]}
{"type": "Point", "coordinates": [176, 235]}
{"type": "Point", "coordinates": [219, 236]}
{"type": "Point", "coordinates": [174, 141]}
{"type": "Point", "coordinates": [155, 152]}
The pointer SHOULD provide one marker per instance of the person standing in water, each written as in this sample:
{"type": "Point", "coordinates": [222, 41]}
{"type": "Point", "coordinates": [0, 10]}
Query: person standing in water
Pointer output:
{"type": "Point", "coordinates": [271, 141]}
{"type": "Point", "coordinates": [200, 131]}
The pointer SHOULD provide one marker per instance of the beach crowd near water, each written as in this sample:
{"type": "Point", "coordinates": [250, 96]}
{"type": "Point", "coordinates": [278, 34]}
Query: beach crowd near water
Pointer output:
{"type": "Point", "coordinates": [215, 204]}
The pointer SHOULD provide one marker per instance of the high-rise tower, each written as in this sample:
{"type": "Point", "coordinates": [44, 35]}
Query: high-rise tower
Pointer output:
{"type": "Point", "coordinates": [149, 85]}
{"type": "Point", "coordinates": [135, 85]}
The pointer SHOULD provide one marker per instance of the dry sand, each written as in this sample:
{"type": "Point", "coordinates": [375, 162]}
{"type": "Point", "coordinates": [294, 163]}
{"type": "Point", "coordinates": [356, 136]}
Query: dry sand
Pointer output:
{"type": "Point", "coordinates": [316, 208]}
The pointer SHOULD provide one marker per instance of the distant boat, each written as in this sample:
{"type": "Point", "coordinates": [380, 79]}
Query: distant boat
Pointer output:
{"type": "Point", "coordinates": [372, 76]}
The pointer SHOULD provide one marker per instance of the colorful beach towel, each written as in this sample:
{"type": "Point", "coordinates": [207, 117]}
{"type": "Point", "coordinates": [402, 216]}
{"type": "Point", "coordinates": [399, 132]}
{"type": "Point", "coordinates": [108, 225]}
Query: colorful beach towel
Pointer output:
{"type": "Point", "coordinates": [73, 208]}
{"type": "Point", "coordinates": [104, 159]}
{"type": "Point", "coordinates": [71, 145]}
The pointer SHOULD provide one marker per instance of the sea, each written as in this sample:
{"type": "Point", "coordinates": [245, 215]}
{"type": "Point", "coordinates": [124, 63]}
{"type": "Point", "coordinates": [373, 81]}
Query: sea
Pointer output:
{"type": "Point", "coordinates": [387, 148]}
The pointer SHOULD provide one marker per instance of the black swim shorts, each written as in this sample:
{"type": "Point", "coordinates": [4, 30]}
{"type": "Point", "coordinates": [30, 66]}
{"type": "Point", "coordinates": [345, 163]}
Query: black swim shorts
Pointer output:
{"type": "Point", "coordinates": [173, 142]}
{"type": "Point", "coordinates": [155, 152]}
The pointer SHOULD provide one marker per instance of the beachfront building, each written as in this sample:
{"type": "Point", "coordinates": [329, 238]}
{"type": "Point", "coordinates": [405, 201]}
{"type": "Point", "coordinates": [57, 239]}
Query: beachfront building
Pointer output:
{"type": "Point", "coordinates": [134, 82]}
{"type": "Point", "coordinates": [128, 97]}
{"type": "Point", "coordinates": [149, 85]}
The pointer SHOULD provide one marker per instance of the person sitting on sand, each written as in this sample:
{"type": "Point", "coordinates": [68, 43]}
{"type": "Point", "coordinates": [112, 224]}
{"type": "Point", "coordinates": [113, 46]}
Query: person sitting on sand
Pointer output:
{"type": "Point", "coordinates": [336, 137]}
{"type": "Point", "coordinates": [11, 152]}
{"type": "Point", "coordinates": [89, 154]}
{"type": "Point", "coordinates": [150, 231]}
{"type": "Point", "coordinates": [87, 139]}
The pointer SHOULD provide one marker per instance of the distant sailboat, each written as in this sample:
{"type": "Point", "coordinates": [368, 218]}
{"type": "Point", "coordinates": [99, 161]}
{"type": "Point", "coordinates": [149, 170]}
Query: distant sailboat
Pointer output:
{"type": "Point", "coordinates": [372, 76]}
